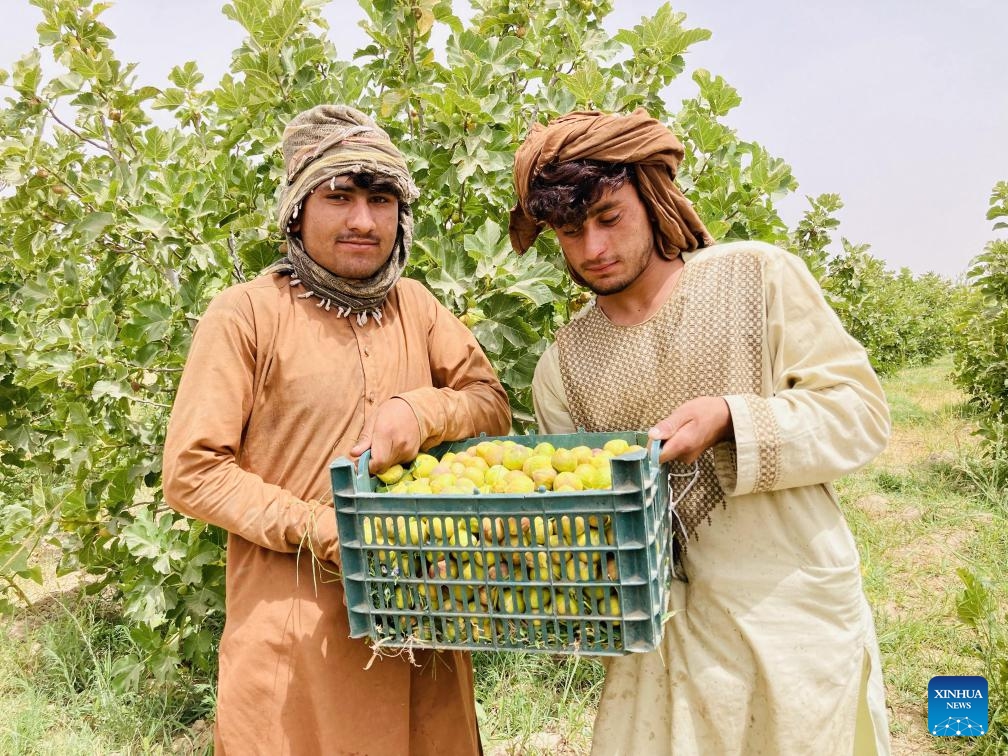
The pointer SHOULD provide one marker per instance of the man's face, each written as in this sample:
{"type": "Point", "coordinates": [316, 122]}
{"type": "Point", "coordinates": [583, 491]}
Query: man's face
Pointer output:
{"type": "Point", "coordinates": [614, 245]}
{"type": "Point", "coordinates": [348, 230]}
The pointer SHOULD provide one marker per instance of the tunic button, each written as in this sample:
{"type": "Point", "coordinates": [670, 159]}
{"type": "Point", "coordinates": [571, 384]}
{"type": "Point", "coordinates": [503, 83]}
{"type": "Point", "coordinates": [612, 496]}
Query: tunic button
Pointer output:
{"type": "Point", "coordinates": [370, 398]}
{"type": "Point", "coordinates": [367, 352]}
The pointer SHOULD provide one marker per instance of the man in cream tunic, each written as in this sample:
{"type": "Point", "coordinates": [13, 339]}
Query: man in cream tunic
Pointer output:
{"type": "Point", "coordinates": [731, 356]}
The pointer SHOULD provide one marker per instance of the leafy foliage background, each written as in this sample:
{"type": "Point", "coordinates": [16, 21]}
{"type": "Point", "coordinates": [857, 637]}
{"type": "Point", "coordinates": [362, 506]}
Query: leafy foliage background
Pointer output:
{"type": "Point", "coordinates": [981, 343]}
{"type": "Point", "coordinates": [127, 207]}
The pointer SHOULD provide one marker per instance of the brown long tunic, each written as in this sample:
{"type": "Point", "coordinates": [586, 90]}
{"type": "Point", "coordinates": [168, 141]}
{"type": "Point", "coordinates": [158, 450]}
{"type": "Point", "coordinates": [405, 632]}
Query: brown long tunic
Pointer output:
{"type": "Point", "coordinates": [274, 389]}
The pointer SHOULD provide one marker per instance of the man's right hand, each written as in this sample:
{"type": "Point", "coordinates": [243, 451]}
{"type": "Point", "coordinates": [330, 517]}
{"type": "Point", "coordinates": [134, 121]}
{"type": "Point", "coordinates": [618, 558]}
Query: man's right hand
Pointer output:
{"type": "Point", "coordinates": [692, 428]}
{"type": "Point", "coordinates": [393, 435]}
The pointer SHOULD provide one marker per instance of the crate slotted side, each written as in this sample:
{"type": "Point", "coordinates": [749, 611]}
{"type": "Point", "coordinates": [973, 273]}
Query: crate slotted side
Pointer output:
{"type": "Point", "coordinates": [556, 596]}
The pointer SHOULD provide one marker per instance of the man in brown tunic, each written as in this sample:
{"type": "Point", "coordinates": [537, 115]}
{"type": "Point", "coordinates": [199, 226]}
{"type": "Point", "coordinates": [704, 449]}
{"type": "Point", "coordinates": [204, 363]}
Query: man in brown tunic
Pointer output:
{"type": "Point", "coordinates": [327, 353]}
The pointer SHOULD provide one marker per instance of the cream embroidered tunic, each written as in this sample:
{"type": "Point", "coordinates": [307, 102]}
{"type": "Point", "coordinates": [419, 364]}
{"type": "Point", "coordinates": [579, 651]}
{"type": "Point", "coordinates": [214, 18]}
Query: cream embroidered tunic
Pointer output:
{"type": "Point", "coordinates": [772, 647]}
{"type": "Point", "coordinates": [274, 389]}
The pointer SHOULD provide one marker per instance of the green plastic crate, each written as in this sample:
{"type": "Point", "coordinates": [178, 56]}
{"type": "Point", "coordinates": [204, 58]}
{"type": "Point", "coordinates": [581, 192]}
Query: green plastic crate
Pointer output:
{"type": "Point", "coordinates": [415, 586]}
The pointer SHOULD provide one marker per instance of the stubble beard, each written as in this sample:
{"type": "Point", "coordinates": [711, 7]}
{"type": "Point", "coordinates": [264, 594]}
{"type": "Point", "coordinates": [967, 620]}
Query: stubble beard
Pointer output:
{"type": "Point", "coordinates": [614, 288]}
{"type": "Point", "coordinates": [604, 289]}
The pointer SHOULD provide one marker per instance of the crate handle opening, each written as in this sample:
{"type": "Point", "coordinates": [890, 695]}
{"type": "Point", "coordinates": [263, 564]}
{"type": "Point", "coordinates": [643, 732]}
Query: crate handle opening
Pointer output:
{"type": "Point", "coordinates": [363, 476]}
{"type": "Point", "coordinates": [654, 452]}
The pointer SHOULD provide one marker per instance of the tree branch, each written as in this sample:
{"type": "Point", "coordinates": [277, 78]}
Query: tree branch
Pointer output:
{"type": "Point", "coordinates": [116, 158]}
{"type": "Point", "coordinates": [235, 260]}
{"type": "Point", "coordinates": [76, 133]}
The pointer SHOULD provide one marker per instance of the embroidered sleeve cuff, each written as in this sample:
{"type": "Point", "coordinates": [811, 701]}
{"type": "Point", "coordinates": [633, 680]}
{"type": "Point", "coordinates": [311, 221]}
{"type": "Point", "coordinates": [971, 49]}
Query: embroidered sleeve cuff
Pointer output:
{"type": "Point", "coordinates": [752, 463]}
{"type": "Point", "coordinates": [730, 465]}
{"type": "Point", "coordinates": [725, 458]}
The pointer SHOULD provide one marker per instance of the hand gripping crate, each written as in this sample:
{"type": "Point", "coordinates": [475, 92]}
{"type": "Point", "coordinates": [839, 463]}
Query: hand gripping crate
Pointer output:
{"type": "Point", "coordinates": [555, 572]}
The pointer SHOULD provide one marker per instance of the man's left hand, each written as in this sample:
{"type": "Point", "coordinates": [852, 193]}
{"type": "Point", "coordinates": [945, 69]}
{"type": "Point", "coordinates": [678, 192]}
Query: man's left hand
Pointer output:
{"type": "Point", "coordinates": [692, 428]}
{"type": "Point", "coordinates": [393, 435]}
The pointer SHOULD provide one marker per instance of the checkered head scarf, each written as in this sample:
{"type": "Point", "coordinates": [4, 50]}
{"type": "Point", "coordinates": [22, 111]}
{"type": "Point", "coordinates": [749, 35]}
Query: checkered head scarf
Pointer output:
{"type": "Point", "coordinates": [318, 145]}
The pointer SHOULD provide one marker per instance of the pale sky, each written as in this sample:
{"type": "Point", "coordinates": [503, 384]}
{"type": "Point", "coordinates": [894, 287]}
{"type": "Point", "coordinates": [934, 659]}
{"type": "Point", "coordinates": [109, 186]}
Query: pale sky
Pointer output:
{"type": "Point", "coordinates": [901, 107]}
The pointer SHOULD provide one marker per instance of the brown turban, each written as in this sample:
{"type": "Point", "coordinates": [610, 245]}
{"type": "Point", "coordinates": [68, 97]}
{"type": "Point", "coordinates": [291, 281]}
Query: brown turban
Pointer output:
{"type": "Point", "coordinates": [636, 139]}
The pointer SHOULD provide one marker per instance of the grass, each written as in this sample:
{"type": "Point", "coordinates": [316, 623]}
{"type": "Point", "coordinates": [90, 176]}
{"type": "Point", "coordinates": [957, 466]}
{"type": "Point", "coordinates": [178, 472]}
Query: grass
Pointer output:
{"type": "Point", "coordinates": [924, 509]}
{"type": "Point", "coordinates": [525, 695]}
{"type": "Point", "coordinates": [927, 507]}
{"type": "Point", "coordinates": [60, 693]}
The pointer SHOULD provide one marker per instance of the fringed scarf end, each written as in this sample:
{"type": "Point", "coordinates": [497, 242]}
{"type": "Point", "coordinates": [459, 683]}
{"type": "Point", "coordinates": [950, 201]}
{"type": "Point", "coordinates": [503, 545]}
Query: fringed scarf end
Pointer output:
{"type": "Point", "coordinates": [329, 304]}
